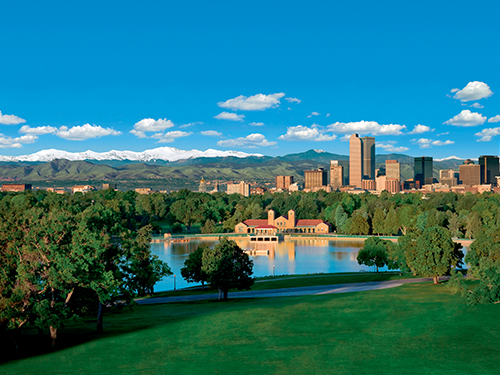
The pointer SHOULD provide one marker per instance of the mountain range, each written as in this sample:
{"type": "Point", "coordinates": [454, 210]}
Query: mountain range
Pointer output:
{"type": "Point", "coordinates": [168, 168]}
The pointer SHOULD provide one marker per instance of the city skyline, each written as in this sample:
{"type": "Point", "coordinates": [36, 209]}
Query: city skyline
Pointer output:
{"type": "Point", "coordinates": [256, 78]}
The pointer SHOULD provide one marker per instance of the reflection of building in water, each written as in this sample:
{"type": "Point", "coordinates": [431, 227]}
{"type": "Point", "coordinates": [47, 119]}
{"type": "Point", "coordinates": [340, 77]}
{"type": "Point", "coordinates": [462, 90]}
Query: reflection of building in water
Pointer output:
{"type": "Point", "coordinates": [284, 224]}
{"type": "Point", "coordinates": [289, 246]}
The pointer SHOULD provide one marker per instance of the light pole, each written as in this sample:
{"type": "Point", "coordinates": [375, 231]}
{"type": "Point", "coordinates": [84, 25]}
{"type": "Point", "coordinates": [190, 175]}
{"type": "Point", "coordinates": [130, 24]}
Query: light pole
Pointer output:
{"type": "Point", "coordinates": [174, 283]}
{"type": "Point", "coordinates": [274, 269]}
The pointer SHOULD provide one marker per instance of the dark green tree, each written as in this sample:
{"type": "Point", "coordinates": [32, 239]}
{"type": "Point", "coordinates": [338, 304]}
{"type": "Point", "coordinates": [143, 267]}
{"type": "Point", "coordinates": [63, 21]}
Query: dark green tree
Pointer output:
{"type": "Point", "coordinates": [435, 254]}
{"type": "Point", "coordinates": [227, 267]}
{"type": "Point", "coordinates": [378, 221]}
{"type": "Point", "coordinates": [375, 252]}
{"type": "Point", "coordinates": [192, 271]}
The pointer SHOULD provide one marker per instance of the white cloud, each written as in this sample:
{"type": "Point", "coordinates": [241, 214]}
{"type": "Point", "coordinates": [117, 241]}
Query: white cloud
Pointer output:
{"type": "Point", "coordinates": [441, 143]}
{"type": "Point", "coordinates": [445, 133]}
{"type": "Point", "coordinates": [345, 138]}
{"type": "Point", "coordinates": [487, 134]}
{"type": "Point", "coordinates": [389, 146]}
{"type": "Point", "coordinates": [466, 118]}
{"type": "Point", "coordinates": [229, 116]}
{"type": "Point", "coordinates": [419, 129]}
{"type": "Point", "coordinates": [289, 109]}
{"type": "Point", "coordinates": [257, 102]}
{"type": "Point", "coordinates": [169, 137]}
{"type": "Point", "coordinates": [250, 141]}
{"type": "Point", "coordinates": [494, 119]}
{"type": "Point", "coordinates": [25, 129]}
{"type": "Point", "coordinates": [473, 91]}
{"type": "Point", "coordinates": [87, 131]}
{"type": "Point", "coordinates": [257, 123]}
{"type": "Point", "coordinates": [150, 125]}
{"type": "Point", "coordinates": [366, 127]}
{"type": "Point", "coordinates": [303, 133]}
{"type": "Point", "coordinates": [10, 119]}
{"type": "Point", "coordinates": [427, 143]}
{"type": "Point", "coordinates": [328, 115]}
{"type": "Point", "coordinates": [8, 142]}
{"type": "Point", "coordinates": [476, 105]}
{"type": "Point", "coordinates": [314, 114]}
{"type": "Point", "coordinates": [293, 100]}
{"type": "Point", "coordinates": [211, 133]}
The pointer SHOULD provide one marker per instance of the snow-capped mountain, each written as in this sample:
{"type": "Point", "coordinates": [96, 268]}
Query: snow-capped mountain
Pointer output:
{"type": "Point", "coordinates": [449, 158]}
{"type": "Point", "coordinates": [160, 153]}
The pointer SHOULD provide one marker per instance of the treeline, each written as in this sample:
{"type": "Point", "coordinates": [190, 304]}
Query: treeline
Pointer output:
{"type": "Point", "coordinates": [64, 256]}
{"type": "Point", "coordinates": [464, 216]}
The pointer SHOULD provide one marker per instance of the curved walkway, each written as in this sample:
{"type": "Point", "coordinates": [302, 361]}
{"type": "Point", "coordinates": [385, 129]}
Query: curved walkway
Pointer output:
{"type": "Point", "coordinates": [291, 292]}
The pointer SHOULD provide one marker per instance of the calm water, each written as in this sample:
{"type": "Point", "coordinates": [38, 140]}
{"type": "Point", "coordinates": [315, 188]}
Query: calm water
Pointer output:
{"type": "Point", "coordinates": [288, 257]}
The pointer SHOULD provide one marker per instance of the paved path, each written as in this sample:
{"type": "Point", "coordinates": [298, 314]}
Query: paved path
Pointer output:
{"type": "Point", "coordinates": [291, 292]}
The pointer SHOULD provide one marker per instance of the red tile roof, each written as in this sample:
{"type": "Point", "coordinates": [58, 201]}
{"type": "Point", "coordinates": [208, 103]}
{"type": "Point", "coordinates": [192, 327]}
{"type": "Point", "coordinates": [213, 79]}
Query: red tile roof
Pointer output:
{"type": "Point", "coordinates": [308, 223]}
{"type": "Point", "coordinates": [255, 222]}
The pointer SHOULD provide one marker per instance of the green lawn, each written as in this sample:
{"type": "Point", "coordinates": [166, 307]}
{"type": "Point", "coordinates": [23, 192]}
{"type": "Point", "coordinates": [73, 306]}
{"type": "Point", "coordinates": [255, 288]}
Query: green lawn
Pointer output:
{"type": "Point", "coordinates": [292, 281]}
{"type": "Point", "coordinates": [412, 329]}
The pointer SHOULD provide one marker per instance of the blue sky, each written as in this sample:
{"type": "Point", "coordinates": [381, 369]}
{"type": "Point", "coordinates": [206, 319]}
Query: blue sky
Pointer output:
{"type": "Point", "coordinates": [273, 77]}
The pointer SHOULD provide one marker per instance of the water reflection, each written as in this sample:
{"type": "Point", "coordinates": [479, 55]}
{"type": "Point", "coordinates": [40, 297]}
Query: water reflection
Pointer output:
{"type": "Point", "coordinates": [288, 257]}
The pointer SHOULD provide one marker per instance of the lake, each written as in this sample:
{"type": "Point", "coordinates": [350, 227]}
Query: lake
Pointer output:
{"type": "Point", "coordinates": [296, 256]}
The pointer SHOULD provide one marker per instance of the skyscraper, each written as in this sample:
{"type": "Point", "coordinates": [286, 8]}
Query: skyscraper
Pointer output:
{"type": "Point", "coordinates": [336, 175]}
{"type": "Point", "coordinates": [470, 173]}
{"type": "Point", "coordinates": [283, 182]}
{"type": "Point", "coordinates": [489, 169]}
{"type": "Point", "coordinates": [355, 160]}
{"type": "Point", "coordinates": [423, 170]}
{"type": "Point", "coordinates": [368, 158]}
{"type": "Point", "coordinates": [315, 178]}
{"type": "Point", "coordinates": [393, 169]}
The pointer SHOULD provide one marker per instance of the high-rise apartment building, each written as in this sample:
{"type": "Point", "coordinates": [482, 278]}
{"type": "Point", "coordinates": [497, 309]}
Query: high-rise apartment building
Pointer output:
{"type": "Point", "coordinates": [368, 158]}
{"type": "Point", "coordinates": [393, 169]}
{"type": "Point", "coordinates": [336, 175]}
{"type": "Point", "coordinates": [423, 169]}
{"type": "Point", "coordinates": [489, 169]}
{"type": "Point", "coordinates": [392, 185]}
{"type": "Point", "coordinates": [283, 182]}
{"type": "Point", "coordinates": [241, 188]}
{"type": "Point", "coordinates": [315, 178]}
{"type": "Point", "coordinates": [470, 173]}
{"type": "Point", "coordinates": [355, 160]}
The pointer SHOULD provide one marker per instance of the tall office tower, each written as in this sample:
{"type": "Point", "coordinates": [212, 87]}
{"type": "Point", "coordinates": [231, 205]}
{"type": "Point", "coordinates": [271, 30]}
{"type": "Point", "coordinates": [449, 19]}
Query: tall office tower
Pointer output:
{"type": "Point", "coordinates": [315, 178]}
{"type": "Point", "coordinates": [336, 175]}
{"type": "Point", "coordinates": [393, 169]}
{"type": "Point", "coordinates": [447, 177]}
{"type": "Point", "coordinates": [489, 169]}
{"type": "Point", "coordinates": [368, 158]}
{"type": "Point", "coordinates": [423, 170]}
{"type": "Point", "coordinates": [355, 160]}
{"type": "Point", "coordinates": [470, 173]}
{"type": "Point", "coordinates": [283, 182]}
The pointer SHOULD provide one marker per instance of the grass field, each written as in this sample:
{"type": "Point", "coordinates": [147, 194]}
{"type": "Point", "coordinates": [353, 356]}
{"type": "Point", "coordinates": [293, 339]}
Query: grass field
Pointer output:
{"type": "Point", "coordinates": [412, 329]}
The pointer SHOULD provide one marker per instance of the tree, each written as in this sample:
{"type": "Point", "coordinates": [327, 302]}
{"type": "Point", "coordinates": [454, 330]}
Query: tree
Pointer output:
{"type": "Point", "coordinates": [374, 252]}
{"type": "Point", "coordinates": [484, 260]}
{"type": "Point", "coordinates": [142, 269]}
{"type": "Point", "coordinates": [208, 227]}
{"type": "Point", "coordinates": [378, 221]}
{"type": "Point", "coordinates": [435, 254]}
{"type": "Point", "coordinates": [391, 226]}
{"type": "Point", "coordinates": [193, 271]}
{"type": "Point", "coordinates": [359, 223]}
{"type": "Point", "coordinates": [227, 267]}
{"type": "Point", "coordinates": [340, 218]}
{"type": "Point", "coordinates": [187, 211]}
